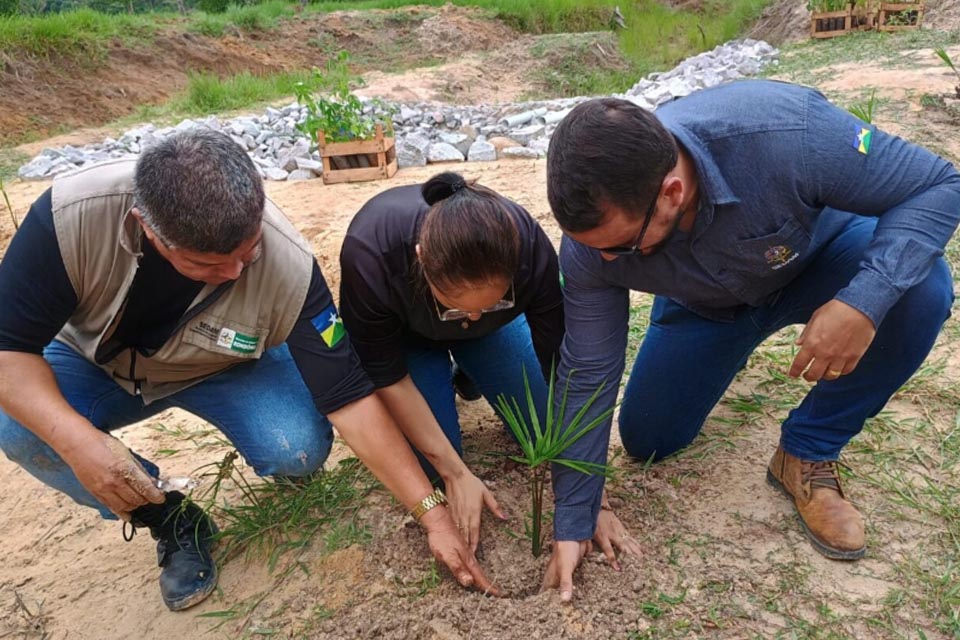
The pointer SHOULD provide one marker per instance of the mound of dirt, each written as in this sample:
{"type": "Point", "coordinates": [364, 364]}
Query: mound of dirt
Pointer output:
{"type": "Point", "coordinates": [455, 30]}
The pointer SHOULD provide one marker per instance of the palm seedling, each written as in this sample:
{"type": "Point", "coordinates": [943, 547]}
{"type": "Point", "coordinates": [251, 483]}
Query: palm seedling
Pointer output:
{"type": "Point", "coordinates": [545, 441]}
{"type": "Point", "coordinates": [943, 55]}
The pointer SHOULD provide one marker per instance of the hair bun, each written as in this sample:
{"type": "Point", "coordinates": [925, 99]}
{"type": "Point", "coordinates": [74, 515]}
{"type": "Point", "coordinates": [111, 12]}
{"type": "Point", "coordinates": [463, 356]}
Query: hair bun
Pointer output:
{"type": "Point", "coordinates": [442, 186]}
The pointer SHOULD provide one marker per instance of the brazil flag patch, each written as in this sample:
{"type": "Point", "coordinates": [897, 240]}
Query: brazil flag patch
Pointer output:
{"type": "Point", "coordinates": [330, 326]}
{"type": "Point", "coordinates": [862, 138]}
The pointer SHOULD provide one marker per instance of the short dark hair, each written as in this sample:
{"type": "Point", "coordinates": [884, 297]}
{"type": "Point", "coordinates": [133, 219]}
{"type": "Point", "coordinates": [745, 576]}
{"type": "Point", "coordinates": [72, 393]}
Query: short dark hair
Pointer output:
{"type": "Point", "coordinates": [199, 190]}
{"type": "Point", "coordinates": [468, 236]}
{"type": "Point", "coordinates": [606, 151]}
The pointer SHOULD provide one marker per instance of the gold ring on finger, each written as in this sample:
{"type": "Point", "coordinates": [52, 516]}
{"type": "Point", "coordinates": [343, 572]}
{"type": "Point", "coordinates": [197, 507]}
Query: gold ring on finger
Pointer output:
{"type": "Point", "coordinates": [833, 373]}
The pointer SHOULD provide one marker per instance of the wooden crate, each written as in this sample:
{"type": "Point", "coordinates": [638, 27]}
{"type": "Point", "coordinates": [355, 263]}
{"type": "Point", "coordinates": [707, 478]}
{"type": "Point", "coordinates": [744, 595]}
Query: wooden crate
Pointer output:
{"type": "Point", "coordinates": [358, 160]}
{"type": "Point", "coordinates": [887, 9]}
{"type": "Point", "coordinates": [829, 24]}
{"type": "Point", "coordinates": [864, 17]}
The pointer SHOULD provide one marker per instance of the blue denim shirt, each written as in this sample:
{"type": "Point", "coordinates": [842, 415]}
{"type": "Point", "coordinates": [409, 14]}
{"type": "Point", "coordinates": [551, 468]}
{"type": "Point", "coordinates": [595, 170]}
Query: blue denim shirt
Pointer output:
{"type": "Point", "coordinates": [780, 171]}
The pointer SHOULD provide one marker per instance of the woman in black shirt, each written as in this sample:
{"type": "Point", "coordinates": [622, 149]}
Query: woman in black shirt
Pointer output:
{"type": "Point", "coordinates": [441, 273]}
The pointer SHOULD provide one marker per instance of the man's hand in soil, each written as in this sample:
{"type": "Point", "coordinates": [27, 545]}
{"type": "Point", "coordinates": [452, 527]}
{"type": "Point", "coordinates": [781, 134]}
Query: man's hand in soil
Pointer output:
{"type": "Point", "coordinates": [449, 547]}
{"type": "Point", "coordinates": [109, 471]}
{"type": "Point", "coordinates": [567, 555]}
{"type": "Point", "coordinates": [611, 536]}
{"type": "Point", "coordinates": [467, 495]}
{"type": "Point", "coordinates": [832, 342]}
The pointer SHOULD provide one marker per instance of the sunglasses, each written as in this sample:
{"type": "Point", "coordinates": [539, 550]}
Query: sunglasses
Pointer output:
{"type": "Point", "coordinates": [634, 247]}
{"type": "Point", "coordinates": [459, 314]}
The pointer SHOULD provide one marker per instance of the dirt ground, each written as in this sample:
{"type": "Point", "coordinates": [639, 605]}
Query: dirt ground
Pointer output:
{"type": "Point", "coordinates": [723, 553]}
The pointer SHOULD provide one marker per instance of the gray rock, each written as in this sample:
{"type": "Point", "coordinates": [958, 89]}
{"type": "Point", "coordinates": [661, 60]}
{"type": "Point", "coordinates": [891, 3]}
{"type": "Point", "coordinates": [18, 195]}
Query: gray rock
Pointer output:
{"type": "Point", "coordinates": [301, 174]}
{"type": "Point", "coordinates": [459, 140]}
{"type": "Point", "coordinates": [36, 169]}
{"type": "Point", "coordinates": [540, 145]}
{"type": "Point", "coordinates": [407, 114]}
{"type": "Point", "coordinates": [528, 133]}
{"type": "Point", "coordinates": [309, 164]}
{"type": "Point", "coordinates": [275, 173]}
{"type": "Point", "coordinates": [482, 151]}
{"type": "Point", "coordinates": [288, 159]}
{"type": "Point", "coordinates": [412, 150]}
{"type": "Point", "coordinates": [520, 152]}
{"type": "Point", "coordinates": [443, 152]}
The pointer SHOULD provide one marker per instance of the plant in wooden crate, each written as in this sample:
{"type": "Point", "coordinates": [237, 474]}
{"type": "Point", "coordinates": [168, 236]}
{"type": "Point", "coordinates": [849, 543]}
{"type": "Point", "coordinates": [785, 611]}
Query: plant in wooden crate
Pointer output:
{"type": "Point", "coordinates": [544, 442]}
{"type": "Point", "coordinates": [355, 143]}
{"type": "Point", "coordinates": [829, 18]}
{"type": "Point", "coordinates": [900, 16]}
{"type": "Point", "coordinates": [863, 15]}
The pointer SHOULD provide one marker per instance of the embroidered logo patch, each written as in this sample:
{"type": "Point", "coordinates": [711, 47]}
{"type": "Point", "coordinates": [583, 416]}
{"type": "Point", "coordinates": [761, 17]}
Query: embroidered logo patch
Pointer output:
{"type": "Point", "coordinates": [238, 342]}
{"type": "Point", "coordinates": [862, 138]}
{"type": "Point", "coordinates": [330, 326]}
{"type": "Point", "coordinates": [779, 256]}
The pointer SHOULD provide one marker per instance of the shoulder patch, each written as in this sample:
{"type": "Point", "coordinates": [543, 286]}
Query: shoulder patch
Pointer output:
{"type": "Point", "coordinates": [330, 326]}
{"type": "Point", "coordinates": [861, 138]}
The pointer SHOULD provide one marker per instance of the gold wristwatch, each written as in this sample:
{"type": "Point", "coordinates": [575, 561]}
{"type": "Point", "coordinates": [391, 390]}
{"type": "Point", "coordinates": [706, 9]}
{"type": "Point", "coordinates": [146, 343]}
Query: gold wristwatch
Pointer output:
{"type": "Point", "coordinates": [435, 499]}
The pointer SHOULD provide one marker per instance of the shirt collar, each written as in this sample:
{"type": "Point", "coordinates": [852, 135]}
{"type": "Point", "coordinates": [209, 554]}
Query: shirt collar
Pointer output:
{"type": "Point", "coordinates": [713, 185]}
{"type": "Point", "coordinates": [131, 233]}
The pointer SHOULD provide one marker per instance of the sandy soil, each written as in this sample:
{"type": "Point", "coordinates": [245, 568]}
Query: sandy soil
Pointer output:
{"type": "Point", "coordinates": [723, 553]}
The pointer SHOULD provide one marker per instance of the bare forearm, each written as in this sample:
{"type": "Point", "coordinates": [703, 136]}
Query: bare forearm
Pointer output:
{"type": "Point", "coordinates": [29, 394]}
{"type": "Point", "coordinates": [414, 417]}
{"type": "Point", "coordinates": [373, 435]}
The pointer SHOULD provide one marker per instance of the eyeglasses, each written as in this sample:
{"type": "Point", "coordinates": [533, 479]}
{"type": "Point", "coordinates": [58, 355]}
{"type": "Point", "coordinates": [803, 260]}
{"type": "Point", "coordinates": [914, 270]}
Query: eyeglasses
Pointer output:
{"type": "Point", "coordinates": [634, 247]}
{"type": "Point", "coordinates": [459, 314]}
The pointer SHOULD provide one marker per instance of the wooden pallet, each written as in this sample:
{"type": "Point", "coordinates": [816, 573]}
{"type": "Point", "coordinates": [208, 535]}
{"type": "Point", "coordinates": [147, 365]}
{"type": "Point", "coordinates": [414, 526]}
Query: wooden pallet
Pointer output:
{"type": "Point", "coordinates": [358, 160]}
{"type": "Point", "coordinates": [888, 8]}
{"type": "Point", "coordinates": [830, 24]}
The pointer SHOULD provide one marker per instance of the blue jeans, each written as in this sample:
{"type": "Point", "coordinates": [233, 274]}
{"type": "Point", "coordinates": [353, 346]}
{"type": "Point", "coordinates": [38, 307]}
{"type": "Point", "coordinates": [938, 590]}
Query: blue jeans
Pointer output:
{"type": "Point", "coordinates": [495, 364]}
{"type": "Point", "coordinates": [686, 362]}
{"type": "Point", "coordinates": [263, 407]}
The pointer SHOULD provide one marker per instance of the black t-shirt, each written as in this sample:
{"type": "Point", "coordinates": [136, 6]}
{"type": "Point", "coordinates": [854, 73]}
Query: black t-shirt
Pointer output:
{"type": "Point", "coordinates": [37, 299]}
{"type": "Point", "coordinates": [387, 306]}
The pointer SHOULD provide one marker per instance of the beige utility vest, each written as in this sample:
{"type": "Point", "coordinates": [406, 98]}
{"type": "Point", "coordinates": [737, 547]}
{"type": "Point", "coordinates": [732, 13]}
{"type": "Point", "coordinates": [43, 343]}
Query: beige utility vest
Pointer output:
{"type": "Point", "coordinates": [225, 325]}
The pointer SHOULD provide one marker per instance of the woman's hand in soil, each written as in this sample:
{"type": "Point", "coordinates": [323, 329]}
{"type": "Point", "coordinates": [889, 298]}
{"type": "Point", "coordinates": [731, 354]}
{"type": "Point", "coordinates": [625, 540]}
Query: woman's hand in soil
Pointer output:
{"type": "Point", "coordinates": [611, 535]}
{"type": "Point", "coordinates": [567, 555]}
{"type": "Point", "coordinates": [107, 469]}
{"type": "Point", "coordinates": [449, 547]}
{"type": "Point", "coordinates": [467, 496]}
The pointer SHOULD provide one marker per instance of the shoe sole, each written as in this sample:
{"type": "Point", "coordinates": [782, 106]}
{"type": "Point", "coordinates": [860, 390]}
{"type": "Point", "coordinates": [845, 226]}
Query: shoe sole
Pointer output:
{"type": "Point", "coordinates": [196, 597]}
{"type": "Point", "coordinates": [823, 549]}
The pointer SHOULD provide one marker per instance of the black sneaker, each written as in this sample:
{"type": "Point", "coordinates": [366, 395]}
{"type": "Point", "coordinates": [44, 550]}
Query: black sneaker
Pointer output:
{"type": "Point", "coordinates": [463, 385]}
{"type": "Point", "coordinates": [184, 535]}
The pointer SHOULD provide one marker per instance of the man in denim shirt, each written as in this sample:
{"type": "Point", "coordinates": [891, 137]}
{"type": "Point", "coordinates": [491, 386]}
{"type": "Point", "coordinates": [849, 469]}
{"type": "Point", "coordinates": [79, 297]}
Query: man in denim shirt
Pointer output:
{"type": "Point", "coordinates": [745, 208]}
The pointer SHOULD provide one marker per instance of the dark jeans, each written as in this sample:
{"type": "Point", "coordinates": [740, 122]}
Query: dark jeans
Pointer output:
{"type": "Point", "coordinates": [686, 362]}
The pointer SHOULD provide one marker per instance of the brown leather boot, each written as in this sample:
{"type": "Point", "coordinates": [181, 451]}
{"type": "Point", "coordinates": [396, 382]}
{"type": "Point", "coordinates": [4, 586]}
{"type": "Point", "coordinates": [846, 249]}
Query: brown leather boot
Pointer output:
{"type": "Point", "coordinates": [833, 526]}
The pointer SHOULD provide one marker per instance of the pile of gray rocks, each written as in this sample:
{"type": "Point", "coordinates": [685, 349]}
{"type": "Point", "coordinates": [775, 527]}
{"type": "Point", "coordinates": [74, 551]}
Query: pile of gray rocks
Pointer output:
{"type": "Point", "coordinates": [425, 132]}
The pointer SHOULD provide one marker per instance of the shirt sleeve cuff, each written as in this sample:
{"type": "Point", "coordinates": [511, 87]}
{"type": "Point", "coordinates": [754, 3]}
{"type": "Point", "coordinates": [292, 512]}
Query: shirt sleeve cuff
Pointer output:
{"type": "Point", "coordinates": [575, 523]}
{"type": "Point", "coordinates": [872, 294]}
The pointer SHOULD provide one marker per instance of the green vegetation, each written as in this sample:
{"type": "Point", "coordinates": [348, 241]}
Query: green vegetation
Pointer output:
{"type": "Point", "coordinates": [339, 114]}
{"type": "Point", "coordinates": [864, 110]}
{"type": "Point", "coordinates": [656, 36]}
{"type": "Point", "coordinates": [272, 518]}
{"type": "Point", "coordinates": [84, 32]}
{"type": "Point", "coordinates": [207, 93]}
{"type": "Point", "coordinates": [545, 440]}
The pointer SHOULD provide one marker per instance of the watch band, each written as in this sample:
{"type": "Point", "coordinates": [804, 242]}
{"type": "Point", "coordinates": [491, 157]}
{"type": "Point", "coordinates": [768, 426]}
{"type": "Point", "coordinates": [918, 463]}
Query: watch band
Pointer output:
{"type": "Point", "coordinates": [435, 499]}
